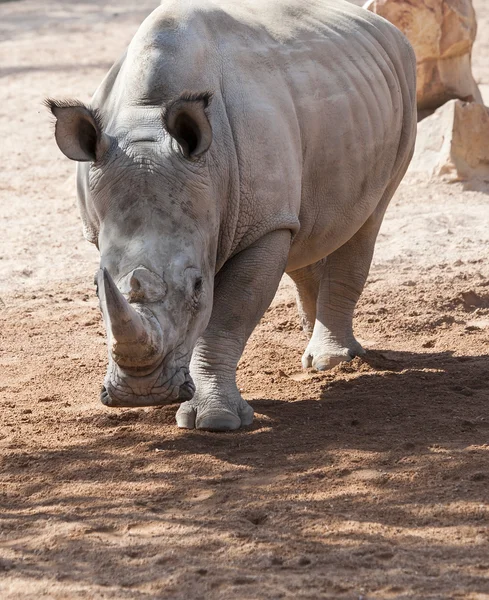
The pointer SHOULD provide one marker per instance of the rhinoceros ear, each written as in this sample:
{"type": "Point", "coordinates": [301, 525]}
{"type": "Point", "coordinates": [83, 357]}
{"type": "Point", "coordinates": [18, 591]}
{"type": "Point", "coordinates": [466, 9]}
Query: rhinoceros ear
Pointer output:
{"type": "Point", "coordinates": [186, 121]}
{"type": "Point", "coordinates": [78, 130]}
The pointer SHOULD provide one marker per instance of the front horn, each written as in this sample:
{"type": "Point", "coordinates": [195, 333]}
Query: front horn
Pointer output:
{"type": "Point", "coordinates": [135, 339]}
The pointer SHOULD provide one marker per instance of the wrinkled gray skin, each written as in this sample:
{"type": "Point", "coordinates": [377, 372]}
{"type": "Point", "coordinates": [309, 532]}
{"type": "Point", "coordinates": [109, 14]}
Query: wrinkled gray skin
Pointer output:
{"type": "Point", "coordinates": [232, 142]}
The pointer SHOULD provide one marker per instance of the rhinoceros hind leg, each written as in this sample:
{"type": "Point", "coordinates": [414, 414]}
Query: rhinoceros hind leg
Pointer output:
{"type": "Point", "coordinates": [307, 281]}
{"type": "Point", "coordinates": [341, 280]}
{"type": "Point", "coordinates": [323, 356]}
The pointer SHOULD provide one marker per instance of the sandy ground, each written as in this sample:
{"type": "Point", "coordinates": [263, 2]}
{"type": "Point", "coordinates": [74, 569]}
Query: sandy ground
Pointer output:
{"type": "Point", "coordinates": [367, 482]}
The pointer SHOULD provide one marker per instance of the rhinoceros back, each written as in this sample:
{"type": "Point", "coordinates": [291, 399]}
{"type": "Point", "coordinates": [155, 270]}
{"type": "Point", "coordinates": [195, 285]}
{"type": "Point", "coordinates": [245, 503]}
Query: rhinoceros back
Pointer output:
{"type": "Point", "coordinates": [315, 104]}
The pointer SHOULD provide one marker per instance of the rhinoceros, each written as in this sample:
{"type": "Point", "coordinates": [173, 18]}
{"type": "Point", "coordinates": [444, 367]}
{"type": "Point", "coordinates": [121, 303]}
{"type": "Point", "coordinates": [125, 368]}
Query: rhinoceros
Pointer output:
{"type": "Point", "coordinates": [233, 142]}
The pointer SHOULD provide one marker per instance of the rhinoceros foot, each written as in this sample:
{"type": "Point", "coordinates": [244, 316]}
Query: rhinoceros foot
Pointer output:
{"type": "Point", "coordinates": [322, 357]}
{"type": "Point", "coordinates": [214, 413]}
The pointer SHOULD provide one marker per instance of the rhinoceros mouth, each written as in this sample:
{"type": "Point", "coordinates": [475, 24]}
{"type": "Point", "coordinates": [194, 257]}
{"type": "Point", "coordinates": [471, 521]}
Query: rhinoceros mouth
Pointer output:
{"type": "Point", "coordinates": [132, 391]}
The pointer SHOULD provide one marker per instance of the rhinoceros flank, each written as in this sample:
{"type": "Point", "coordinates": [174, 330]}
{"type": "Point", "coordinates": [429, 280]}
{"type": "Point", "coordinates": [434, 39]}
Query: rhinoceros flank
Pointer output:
{"type": "Point", "coordinates": [233, 142]}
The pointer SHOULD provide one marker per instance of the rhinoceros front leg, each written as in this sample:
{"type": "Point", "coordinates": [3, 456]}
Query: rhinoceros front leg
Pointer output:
{"type": "Point", "coordinates": [243, 290]}
{"type": "Point", "coordinates": [341, 278]}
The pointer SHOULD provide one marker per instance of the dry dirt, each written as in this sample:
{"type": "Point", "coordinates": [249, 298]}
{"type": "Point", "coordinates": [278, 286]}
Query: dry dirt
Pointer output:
{"type": "Point", "coordinates": [367, 482]}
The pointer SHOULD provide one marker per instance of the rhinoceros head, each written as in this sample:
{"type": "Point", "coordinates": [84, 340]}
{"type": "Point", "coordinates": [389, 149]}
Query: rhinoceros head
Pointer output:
{"type": "Point", "coordinates": [145, 198]}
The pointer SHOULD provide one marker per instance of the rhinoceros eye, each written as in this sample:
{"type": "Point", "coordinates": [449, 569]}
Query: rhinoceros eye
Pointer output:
{"type": "Point", "coordinates": [198, 285]}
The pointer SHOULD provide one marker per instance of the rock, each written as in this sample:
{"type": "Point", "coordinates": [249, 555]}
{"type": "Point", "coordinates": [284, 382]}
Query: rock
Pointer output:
{"type": "Point", "coordinates": [452, 143]}
{"type": "Point", "coordinates": [442, 33]}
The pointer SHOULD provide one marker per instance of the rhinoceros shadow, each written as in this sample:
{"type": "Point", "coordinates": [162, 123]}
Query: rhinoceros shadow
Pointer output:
{"type": "Point", "coordinates": [370, 456]}
{"type": "Point", "coordinates": [406, 401]}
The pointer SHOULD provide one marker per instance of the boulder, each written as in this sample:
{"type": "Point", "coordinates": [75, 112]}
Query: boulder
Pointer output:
{"type": "Point", "coordinates": [442, 33]}
{"type": "Point", "coordinates": [452, 143]}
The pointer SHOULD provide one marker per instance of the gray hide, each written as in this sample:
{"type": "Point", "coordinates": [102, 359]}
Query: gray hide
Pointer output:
{"type": "Point", "coordinates": [232, 142]}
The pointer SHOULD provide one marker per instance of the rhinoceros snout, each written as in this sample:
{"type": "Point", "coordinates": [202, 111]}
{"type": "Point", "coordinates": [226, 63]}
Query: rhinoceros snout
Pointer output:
{"type": "Point", "coordinates": [137, 391]}
{"type": "Point", "coordinates": [127, 399]}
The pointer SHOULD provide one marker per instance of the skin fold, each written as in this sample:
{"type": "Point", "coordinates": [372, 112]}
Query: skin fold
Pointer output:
{"type": "Point", "coordinates": [231, 143]}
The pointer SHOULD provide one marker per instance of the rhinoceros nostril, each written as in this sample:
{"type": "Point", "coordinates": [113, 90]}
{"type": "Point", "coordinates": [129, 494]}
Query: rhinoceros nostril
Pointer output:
{"type": "Point", "coordinates": [135, 284]}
